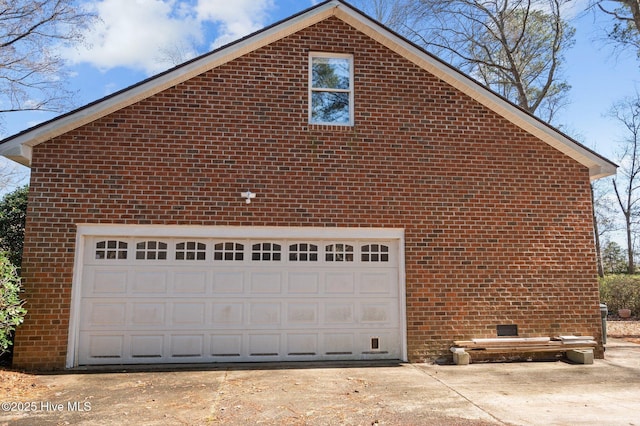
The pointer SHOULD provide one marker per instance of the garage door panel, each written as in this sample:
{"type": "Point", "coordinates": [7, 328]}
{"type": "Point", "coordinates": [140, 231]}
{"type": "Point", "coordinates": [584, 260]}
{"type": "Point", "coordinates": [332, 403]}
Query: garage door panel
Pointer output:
{"type": "Point", "coordinates": [188, 313]}
{"type": "Point", "coordinates": [187, 346]}
{"type": "Point", "coordinates": [264, 345]}
{"type": "Point", "coordinates": [103, 348]}
{"type": "Point", "coordinates": [375, 313]}
{"type": "Point", "coordinates": [147, 314]}
{"type": "Point", "coordinates": [303, 282]}
{"type": "Point", "coordinates": [380, 283]}
{"type": "Point", "coordinates": [226, 345]}
{"type": "Point", "coordinates": [101, 313]}
{"type": "Point", "coordinates": [339, 343]}
{"type": "Point", "coordinates": [147, 346]}
{"type": "Point", "coordinates": [264, 314]}
{"type": "Point", "coordinates": [228, 314]}
{"type": "Point", "coordinates": [303, 344]}
{"type": "Point", "coordinates": [339, 313]}
{"type": "Point", "coordinates": [339, 283]}
{"type": "Point", "coordinates": [149, 282]}
{"type": "Point", "coordinates": [238, 300]}
{"type": "Point", "coordinates": [378, 344]}
{"type": "Point", "coordinates": [228, 282]}
{"type": "Point", "coordinates": [189, 282]}
{"type": "Point", "coordinates": [266, 283]}
{"type": "Point", "coordinates": [302, 314]}
{"type": "Point", "coordinates": [105, 281]}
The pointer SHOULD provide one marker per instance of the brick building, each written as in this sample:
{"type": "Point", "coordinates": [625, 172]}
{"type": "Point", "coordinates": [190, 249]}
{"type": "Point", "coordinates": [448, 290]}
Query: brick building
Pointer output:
{"type": "Point", "coordinates": [319, 190]}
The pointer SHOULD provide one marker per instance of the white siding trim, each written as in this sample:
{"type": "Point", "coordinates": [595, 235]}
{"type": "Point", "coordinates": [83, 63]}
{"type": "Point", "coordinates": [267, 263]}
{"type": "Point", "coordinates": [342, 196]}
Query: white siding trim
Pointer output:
{"type": "Point", "coordinates": [74, 312]}
{"type": "Point", "coordinates": [301, 232]}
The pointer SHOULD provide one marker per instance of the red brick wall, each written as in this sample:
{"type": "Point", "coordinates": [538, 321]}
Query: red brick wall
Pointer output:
{"type": "Point", "coordinates": [498, 224]}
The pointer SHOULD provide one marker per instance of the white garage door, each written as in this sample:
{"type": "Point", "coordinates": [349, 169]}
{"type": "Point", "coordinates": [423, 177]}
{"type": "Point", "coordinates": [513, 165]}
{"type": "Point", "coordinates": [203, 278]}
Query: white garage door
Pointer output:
{"type": "Point", "coordinates": [184, 299]}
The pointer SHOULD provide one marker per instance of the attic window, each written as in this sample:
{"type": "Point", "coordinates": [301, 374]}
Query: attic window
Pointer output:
{"type": "Point", "coordinates": [331, 89]}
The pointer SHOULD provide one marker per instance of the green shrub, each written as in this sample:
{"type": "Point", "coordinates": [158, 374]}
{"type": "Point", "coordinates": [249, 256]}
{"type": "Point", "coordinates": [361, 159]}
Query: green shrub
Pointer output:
{"type": "Point", "coordinates": [11, 307]}
{"type": "Point", "coordinates": [620, 292]}
{"type": "Point", "coordinates": [13, 213]}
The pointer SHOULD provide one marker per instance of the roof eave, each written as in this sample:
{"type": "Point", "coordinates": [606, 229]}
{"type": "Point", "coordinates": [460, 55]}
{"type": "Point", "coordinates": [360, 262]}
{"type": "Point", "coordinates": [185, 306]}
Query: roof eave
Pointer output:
{"type": "Point", "coordinates": [129, 96]}
{"type": "Point", "coordinates": [15, 151]}
{"type": "Point", "coordinates": [599, 172]}
{"type": "Point", "coordinates": [598, 165]}
{"type": "Point", "coordinates": [18, 147]}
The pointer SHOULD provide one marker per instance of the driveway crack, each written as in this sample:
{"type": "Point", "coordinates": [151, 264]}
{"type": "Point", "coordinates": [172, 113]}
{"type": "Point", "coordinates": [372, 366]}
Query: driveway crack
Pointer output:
{"type": "Point", "coordinates": [215, 405]}
{"type": "Point", "coordinates": [457, 392]}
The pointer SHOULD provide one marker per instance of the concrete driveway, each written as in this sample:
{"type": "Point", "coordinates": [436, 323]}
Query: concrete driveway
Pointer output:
{"type": "Point", "coordinates": [527, 393]}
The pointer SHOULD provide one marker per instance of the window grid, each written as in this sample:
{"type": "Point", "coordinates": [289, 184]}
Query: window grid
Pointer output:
{"type": "Point", "coordinates": [232, 251]}
{"type": "Point", "coordinates": [228, 251]}
{"type": "Point", "coordinates": [339, 253]}
{"type": "Point", "coordinates": [303, 252]}
{"type": "Point", "coordinates": [375, 253]}
{"type": "Point", "coordinates": [266, 251]}
{"type": "Point", "coordinates": [111, 249]}
{"type": "Point", "coordinates": [151, 250]}
{"type": "Point", "coordinates": [331, 95]}
{"type": "Point", "coordinates": [191, 250]}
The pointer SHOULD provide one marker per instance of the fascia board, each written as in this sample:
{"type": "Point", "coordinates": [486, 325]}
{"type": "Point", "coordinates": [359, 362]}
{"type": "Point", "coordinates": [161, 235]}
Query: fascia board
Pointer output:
{"type": "Point", "coordinates": [154, 85]}
{"type": "Point", "coordinates": [14, 151]}
{"type": "Point", "coordinates": [598, 167]}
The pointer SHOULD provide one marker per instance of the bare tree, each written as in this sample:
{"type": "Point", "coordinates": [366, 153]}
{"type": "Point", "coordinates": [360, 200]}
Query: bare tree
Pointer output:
{"type": "Point", "coordinates": [625, 29]}
{"type": "Point", "coordinates": [395, 14]}
{"type": "Point", "coordinates": [11, 175]}
{"type": "Point", "coordinates": [596, 233]}
{"type": "Point", "coordinates": [514, 47]}
{"type": "Point", "coordinates": [177, 53]}
{"type": "Point", "coordinates": [604, 218]}
{"type": "Point", "coordinates": [31, 70]}
{"type": "Point", "coordinates": [627, 182]}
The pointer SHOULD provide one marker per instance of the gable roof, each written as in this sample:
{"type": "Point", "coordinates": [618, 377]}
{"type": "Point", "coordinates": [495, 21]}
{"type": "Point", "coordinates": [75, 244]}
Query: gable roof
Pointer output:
{"type": "Point", "coordinates": [19, 147]}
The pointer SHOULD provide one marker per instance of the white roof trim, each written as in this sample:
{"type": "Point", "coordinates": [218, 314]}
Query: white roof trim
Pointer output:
{"type": "Point", "coordinates": [156, 85]}
{"type": "Point", "coordinates": [19, 147]}
{"type": "Point", "coordinates": [598, 167]}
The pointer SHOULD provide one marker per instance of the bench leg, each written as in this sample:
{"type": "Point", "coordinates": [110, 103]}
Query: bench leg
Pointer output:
{"type": "Point", "coordinates": [461, 358]}
{"type": "Point", "coordinates": [581, 356]}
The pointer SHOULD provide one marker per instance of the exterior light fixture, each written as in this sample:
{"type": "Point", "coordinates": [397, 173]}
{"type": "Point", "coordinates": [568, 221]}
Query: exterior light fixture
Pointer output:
{"type": "Point", "coordinates": [248, 195]}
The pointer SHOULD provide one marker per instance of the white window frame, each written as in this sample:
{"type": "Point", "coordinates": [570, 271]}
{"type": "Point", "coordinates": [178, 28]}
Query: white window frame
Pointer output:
{"type": "Point", "coordinates": [312, 56]}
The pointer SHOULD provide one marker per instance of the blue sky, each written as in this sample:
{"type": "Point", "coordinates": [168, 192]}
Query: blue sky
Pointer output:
{"type": "Point", "coordinates": [135, 38]}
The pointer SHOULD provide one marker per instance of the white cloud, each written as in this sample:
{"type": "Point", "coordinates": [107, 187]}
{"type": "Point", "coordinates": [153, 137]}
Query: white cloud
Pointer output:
{"type": "Point", "coordinates": [236, 18]}
{"type": "Point", "coordinates": [110, 88]}
{"type": "Point", "coordinates": [147, 34]}
{"type": "Point", "coordinates": [133, 33]}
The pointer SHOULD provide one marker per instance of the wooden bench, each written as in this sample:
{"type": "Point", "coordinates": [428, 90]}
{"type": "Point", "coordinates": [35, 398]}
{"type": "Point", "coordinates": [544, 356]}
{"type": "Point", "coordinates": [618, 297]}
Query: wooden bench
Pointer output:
{"type": "Point", "coordinates": [577, 348]}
